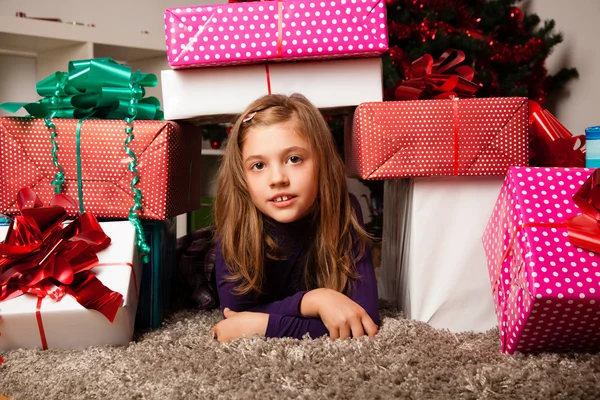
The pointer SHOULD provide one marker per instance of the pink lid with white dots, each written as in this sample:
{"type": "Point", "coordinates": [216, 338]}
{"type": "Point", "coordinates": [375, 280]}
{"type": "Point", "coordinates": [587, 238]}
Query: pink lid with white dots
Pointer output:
{"type": "Point", "coordinates": [547, 291]}
{"type": "Point", "coordinates": [243, 33]}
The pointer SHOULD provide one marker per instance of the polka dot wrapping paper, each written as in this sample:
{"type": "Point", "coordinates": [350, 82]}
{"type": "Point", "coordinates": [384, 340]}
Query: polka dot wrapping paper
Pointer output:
{"type": "Point", "coordinates": [476, 137]}
{"type": "Point", "coordinates": [546, 290]}
{"type": "Point", "coordinates": [167, 154]}
{"type": "Point", "coordinates": [227, 34]}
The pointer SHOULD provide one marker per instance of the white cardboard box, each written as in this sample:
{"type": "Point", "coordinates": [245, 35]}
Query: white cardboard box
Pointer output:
{"type": "Point", "coordinates": [203, 92]}
{"type": "Point", "coordinates": [67, 324]}
{"type": "Point", "coordinates": [433, 265]}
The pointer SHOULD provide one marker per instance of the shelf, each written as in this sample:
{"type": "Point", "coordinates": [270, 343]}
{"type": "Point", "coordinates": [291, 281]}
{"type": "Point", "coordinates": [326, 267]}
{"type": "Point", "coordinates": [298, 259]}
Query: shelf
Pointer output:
{"type": "Point", "coordinates": [24, 36]}
{"type": "Point", "coordinates": [213, 152]}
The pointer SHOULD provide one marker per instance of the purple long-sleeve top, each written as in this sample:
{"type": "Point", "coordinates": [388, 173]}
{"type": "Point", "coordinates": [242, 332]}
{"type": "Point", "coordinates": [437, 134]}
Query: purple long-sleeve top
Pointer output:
{"type": "Point", "coordinates": [284, 286]}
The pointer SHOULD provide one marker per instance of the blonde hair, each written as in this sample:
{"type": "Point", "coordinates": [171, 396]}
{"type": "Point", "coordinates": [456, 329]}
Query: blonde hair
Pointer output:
{"type": "Point", "coordinates": [330, 262]}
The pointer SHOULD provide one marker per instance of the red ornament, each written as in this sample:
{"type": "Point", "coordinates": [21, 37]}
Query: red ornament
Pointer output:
{"type": "Point", "coordinates": [215, 144]}
{"type": "Point", "coordinates": [515, 15]}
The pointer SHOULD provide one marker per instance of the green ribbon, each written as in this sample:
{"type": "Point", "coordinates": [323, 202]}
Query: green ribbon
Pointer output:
{"type": "Point", "coordinates": [96, 88]}
{"type": "Point", "coordinates": [79, 169]}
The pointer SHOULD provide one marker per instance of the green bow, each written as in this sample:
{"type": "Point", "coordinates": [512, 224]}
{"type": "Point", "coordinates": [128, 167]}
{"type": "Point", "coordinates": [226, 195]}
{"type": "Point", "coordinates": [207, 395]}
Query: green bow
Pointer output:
{"type": "Point", "coordinates": [96, 88]}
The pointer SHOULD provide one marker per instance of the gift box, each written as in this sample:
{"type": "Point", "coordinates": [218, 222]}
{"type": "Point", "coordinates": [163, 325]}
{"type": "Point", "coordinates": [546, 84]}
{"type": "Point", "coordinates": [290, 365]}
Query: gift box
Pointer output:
{"type": "Point", "coordinates": [433, 266]}
{"type": "Point", "coordinates": [388, 140]}
{"type": "Point", "coordinates": [66, 324]}
{"type": "Point", "coordinates": [156, 276]}
{"type": "Point", "coordinates": [167, 162]}
{"type": "Point", "coordinates": [225, 34]}
{"type": "Point", "coordinates": [546, 286]}
{"type": "Point", "coordinates": [327, 84]}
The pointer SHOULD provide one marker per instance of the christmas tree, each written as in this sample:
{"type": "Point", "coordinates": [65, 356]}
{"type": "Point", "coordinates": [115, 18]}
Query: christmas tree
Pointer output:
{"type": "Point", "coordinates": [506, 47]}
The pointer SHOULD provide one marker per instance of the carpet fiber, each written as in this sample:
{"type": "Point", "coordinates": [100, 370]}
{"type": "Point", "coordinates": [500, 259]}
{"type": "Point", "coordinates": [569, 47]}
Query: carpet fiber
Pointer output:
{"type": "Point", "coordinates": [408, 360]}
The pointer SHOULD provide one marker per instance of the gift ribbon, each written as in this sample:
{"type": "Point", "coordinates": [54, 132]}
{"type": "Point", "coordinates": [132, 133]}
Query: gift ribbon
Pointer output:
{"type": "Point", "coordinates": [38, 307]}
{"type": "Point", "coordinates": [438, 80]}
{"type": "Point", "coordinates": [583, 230]}
{"type": "Point", "coordinates": [552, 144]}
{"type": "Point", "coordinates": [97, 88]}
{"type": "Point", "coordinates": [279, 30]}
{"type": "Point", "coordinates": [268, 76]}
{"type": "Point", "coordinates": [43, 257]}
{"type": "Point", "coordinates": [456, 137]}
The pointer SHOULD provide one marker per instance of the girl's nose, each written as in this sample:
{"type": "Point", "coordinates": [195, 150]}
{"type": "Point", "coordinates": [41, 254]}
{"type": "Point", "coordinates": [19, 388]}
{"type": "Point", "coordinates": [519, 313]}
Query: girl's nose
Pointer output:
{"type": "Point", "coordinates": [278, 177]}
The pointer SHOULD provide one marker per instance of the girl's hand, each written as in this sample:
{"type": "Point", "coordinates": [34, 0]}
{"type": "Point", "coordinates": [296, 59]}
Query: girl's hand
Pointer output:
{"type": "Point", "coordinates": [240, 324]}
{"type": "Point", "coordinates": [342, 316]}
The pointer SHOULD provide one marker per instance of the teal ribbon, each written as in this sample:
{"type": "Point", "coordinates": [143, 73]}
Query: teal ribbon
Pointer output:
{"type": "Point", "coordinates": [79, 172]}
{"type": "Point", "coordinates": [99, 87]}
{"type": "Point", "coordinates": [96, 88]}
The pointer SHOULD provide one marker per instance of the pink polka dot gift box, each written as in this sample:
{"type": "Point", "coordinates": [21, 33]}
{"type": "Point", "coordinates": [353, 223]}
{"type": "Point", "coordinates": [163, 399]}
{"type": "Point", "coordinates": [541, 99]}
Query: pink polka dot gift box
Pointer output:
{"type": "Point", "coordinates": [284, 30]}
{"type": "Point", "coordinates": [471, 137]}
{"type": "Point", "coordinates": [167, 162]}
{"type": "Point", "coordinates": [543, 258]}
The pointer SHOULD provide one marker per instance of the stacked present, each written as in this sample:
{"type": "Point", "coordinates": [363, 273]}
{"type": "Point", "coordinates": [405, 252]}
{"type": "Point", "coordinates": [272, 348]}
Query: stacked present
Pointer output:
{"type": "Point", "coordinates": [449, 163]}
{"type": "Point", "coordinates": [99, 146]}
{"type": "Point", "coordinates": [225, 56]}
{"type": "Point", "coordinates": [443, 161]}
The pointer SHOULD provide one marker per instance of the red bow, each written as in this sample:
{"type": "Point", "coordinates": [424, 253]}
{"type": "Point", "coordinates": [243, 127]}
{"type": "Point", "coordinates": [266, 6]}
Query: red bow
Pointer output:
{"type": "Point", "coordinates": [43, 257]}
{"type": "Point", "coordinates": [584, 229]}
{"type": "Point", "coordinates": [551, 144]}
{"type": "Point", "coordinates": [439, 80]}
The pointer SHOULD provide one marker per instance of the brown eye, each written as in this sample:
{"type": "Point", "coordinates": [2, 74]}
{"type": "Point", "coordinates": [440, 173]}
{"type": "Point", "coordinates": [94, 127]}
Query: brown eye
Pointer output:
{"type": "Point", "coordinates": [295, 159]}
{"type": "Point", "coordinates": [257, 166]}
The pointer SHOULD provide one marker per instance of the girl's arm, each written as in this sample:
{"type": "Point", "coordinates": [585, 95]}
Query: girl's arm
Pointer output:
{"type": "Point", "coordinates": [285, 317]}
{"type": "Point", "coordinates": [248, 302]}
{"type": "Point", "coordinates": [319, 301]}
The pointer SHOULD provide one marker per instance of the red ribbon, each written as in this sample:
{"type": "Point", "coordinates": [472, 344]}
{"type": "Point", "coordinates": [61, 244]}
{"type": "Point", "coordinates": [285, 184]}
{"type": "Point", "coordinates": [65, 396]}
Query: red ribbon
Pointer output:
{"type": "Point", "coordinates": [456, 137]}
{"type": "Point", "coordinates": [438, 80]}
{"type": "Point", "coordinates": [279, 30]}
{"type": "Point", "coordinates": [43, 257]}
{"type": "Point", "coordinates": [551, 144]}
{"type": "Point", "coordinates": [268, 76]}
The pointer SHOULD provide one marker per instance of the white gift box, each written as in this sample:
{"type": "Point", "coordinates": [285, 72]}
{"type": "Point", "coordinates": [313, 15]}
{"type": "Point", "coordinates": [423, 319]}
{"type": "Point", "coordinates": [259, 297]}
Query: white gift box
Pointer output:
{"type": "Point", "coordinates": [68, 325]}
{"type": "Point", "coordinates": [433, 264]}
{"type": "Point", "coordinates": [227, 91]}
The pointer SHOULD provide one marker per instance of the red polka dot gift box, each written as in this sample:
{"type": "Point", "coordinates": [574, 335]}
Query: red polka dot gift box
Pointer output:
{"type": "Point", "coordinates": [543, 253]}
{"type": "Point", "coordinates": [167, 156]}
{"type": "Point", "coordinates": [471, 137]}
{"type": "Point", "coordinates": [284, 30]}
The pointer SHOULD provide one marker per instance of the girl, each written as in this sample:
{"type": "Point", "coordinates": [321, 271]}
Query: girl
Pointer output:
{"type": "Point", "coordinates": [291, 252]}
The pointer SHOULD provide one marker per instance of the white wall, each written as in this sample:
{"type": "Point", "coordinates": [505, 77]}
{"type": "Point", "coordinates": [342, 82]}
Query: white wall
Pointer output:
{"type": "Point", "coordinates": [14, 70]}
{"type": "Point", "coordinates": [578, 20]}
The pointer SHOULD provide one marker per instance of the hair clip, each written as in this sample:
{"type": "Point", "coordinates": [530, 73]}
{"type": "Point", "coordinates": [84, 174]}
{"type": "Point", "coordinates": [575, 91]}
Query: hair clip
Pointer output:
{"type": "Point", "coordinates": [249, 117]}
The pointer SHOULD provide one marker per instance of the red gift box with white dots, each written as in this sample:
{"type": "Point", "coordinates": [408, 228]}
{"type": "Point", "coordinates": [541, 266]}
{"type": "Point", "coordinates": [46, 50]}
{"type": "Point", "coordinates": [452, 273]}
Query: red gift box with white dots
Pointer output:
{"type": "Point", "coordinates": [168, 163]}
{"type": "Point", "coordinates": [546, 290]}
{"type": "Point", "coordinates": [398, 139]}
{"type": "Point", "coordinates": [254, 32]}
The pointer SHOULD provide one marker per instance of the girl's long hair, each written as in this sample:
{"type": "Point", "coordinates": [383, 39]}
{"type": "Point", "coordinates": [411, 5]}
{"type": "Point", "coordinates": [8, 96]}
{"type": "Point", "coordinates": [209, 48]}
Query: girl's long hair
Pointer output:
{"type": "Point", "coordinates": [330, 261]}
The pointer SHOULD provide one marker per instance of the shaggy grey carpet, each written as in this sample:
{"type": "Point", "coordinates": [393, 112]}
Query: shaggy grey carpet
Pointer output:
{"type": "Point", "coordinates": [408, 360]}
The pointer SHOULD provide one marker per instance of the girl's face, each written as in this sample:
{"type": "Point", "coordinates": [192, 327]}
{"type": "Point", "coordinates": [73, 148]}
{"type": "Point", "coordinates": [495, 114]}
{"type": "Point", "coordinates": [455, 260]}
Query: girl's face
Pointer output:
{"type": "Point", "coordinates": [280, 171]}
